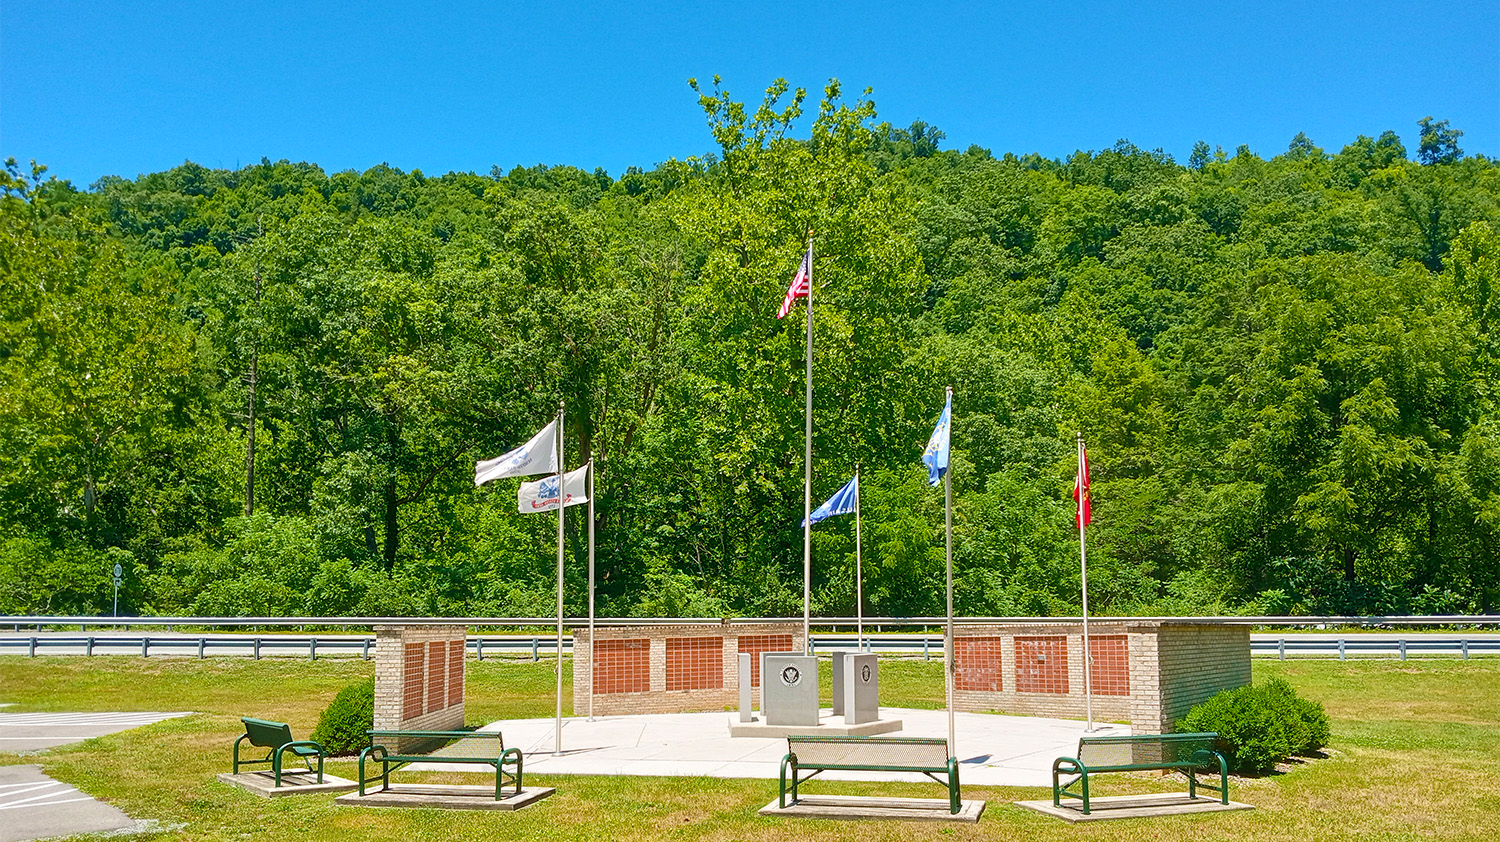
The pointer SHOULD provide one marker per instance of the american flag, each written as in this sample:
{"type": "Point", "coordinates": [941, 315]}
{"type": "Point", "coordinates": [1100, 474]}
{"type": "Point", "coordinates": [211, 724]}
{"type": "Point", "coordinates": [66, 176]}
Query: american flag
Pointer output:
{"type": "Point", "coordinates": [800, 284]}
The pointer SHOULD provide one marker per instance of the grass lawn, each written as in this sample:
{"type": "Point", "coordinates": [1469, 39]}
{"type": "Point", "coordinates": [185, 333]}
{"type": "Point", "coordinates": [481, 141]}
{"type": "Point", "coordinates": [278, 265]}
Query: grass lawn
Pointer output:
{"type": "Point", "coordinates": [1413, 757]}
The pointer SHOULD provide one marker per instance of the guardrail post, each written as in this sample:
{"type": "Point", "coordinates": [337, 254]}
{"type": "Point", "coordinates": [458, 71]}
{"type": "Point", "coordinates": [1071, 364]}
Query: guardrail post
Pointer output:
{"type": "Point", "coordinates": [479, 648]}
{"type": "Point", "coordinates": [1463, 644]}
{"type": "Point", "coordinates": [534, 647]}
{"type": "Point", "coordinates": [1402, 645]}
{"type": "Point", "coordinates": [32, 653]}
{"type": "Point", "coordinates": [312, 648]}
{"type": "Point", "coordinates": [367, 649]}
{"type": "Point", "coordinates": [90, 649]}
{"type": "Point", "coordinates": [926, 648]}
{"type": "Point", "coordinates": [257, 648]}
{"type": "Point", "coordinates": [1281, 648]}
{"type": "Point", "coordinates": [1341, 649]}
{"type": "Point", "coordinates": [202, 644]}
{"type": "Point", "coordinates": [145, 643]}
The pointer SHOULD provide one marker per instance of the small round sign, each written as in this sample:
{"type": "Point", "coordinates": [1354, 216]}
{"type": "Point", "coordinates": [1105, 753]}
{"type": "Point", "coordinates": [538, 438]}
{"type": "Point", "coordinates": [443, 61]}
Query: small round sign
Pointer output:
{"type": "Point", "coordinates": [791, 676]}
{"type": "Point", "coordinates": [864, 673]}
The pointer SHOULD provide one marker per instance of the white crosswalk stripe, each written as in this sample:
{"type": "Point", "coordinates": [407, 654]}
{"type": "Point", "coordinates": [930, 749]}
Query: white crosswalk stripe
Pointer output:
{"type": "Point", "coordinates": [49, 793]}
{"type": "Point", "coordinates": [32, 720]}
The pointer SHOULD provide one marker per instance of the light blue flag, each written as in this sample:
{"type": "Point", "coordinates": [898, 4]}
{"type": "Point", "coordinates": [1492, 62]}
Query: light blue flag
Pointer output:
{"type": "Point", "coordinates": [936, 454]}
{"type": "Point", "coordinates": [841, 503]}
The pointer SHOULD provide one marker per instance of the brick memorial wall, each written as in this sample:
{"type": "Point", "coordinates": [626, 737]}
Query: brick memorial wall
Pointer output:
{"type": "Point", "coordinates": [671, 669]}
{"type": "Point", "coordinates": [1148, 673]}
{"type": "Point", "coordinates": [419, 678]}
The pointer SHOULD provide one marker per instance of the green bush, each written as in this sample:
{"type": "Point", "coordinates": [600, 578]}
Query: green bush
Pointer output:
{"type": "Point", "coordinates": [1259, 726]}
{"type": "Point", "coordinates": [342, 725]}
{"type": "Point", "coordinates": [1313, 733]}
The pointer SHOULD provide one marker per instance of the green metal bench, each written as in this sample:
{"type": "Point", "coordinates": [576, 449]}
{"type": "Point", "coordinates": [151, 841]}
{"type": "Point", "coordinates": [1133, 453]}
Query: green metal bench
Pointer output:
{"type": "Point", "coordinates": [277, 738]}
{"type": "Point", "coordinates": [1186, 753]}
{"type": "Point", "coordinates": [814, 754]}
{"type": "Point", "coordinates": [482, 747]}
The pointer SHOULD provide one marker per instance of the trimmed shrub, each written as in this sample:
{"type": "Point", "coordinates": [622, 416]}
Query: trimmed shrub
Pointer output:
{"type": "Point", "coordinates": [342, 725]}
{"type": "Point", "coordinates": [1259, 726]}
{"type": "Point", "coordinates": [1313, 734]}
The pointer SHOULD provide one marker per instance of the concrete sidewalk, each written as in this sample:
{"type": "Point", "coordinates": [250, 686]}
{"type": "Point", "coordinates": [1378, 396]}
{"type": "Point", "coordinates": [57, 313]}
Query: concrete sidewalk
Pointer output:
{"type": "Point", "coordinates": [992, 750]}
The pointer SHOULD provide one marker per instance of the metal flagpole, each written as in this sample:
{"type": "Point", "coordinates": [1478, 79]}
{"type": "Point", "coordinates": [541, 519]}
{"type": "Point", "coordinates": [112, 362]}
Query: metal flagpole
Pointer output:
{"type": "Point", "coordinates": [948, 529]}
{"type": "Point", "coordinates": [1083, 555]}
{"type": "Point", "coordinates": [592, 683]}
{"type": "Point", "coordinates": [859, 578]}
{"type": "Point", "coordinates": [807, 472]}
{"type": "Point", "coordinates": [561, 499]}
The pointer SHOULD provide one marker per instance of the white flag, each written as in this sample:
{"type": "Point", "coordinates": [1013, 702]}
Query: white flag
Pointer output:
{"type": "Point", "coordinates": [541, 496]}
{"type": "Point", "coordinates": [538, 456]}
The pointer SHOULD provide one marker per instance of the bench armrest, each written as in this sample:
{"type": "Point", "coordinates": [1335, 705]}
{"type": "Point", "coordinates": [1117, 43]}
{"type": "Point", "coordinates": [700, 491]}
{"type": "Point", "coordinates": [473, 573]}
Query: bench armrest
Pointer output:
{"type": "Point", "coordinates": [296, 744]}
{"type": "Point", "coordinates": [242, 738]}
{"type": "Point", "coordinates": [1068, 766]}
{"type": "Point", "coordinates": [955, 799]}
{"type": "Point", "coordinates": [375, 753]}
{"type": "Point", "coordinates": [789, 760]}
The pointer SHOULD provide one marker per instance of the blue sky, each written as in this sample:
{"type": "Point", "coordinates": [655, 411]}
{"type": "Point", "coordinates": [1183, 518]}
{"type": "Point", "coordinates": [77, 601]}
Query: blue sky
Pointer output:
{"type": "Point", "coordinates": [106, 88]}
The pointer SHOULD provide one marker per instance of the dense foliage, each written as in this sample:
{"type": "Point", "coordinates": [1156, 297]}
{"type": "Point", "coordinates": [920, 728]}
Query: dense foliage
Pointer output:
{"type": "Point", "coordinates": [1260, 725]}
{"type": "Point", "coordinates": [1283, 367]}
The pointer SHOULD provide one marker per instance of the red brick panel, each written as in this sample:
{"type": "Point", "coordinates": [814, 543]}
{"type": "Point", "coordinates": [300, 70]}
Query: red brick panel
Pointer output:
{"type": "Point", "coordinates": [437, 674]}
{"type": "Point", "coordinates": [977, 663]}
{"type": "Point", "coordinates": [455, 672]}
{"type": "Point", "coordinates": [695, 663]}
{"type": "Point", "coordinates": [622, 666]}
{"type": "Point", "coordinates": [1042, 664]}
{"type": "Point", "coordinates": [1109, 674]}
{"type": "Point", "coordinates": [754, 644]}
{"type": "Point", "coordinates": [411, 684]}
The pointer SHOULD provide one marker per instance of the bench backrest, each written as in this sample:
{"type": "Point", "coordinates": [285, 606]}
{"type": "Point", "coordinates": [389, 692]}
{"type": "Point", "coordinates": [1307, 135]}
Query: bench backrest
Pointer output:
{"type": "Point", "coordinates": [443, 745]}
{"type": "Point", "coordinates": [265, 733]}
{"type": "Point", "coordinates": [914, 753]}
{"type": "Point", "coordinates": [1142, 749]}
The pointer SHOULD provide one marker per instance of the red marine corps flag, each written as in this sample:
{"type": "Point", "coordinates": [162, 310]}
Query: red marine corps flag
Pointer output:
{"type": "Point", "coordinates": [1081, 487]}
{"type": "Point", "coordinates": [1081, 494]}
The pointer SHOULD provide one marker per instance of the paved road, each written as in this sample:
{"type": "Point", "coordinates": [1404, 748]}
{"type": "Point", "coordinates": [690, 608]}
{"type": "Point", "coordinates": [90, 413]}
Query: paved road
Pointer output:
{"type": "Point", "coordinates": [37, 731]}
{"type": "Point", "coordinates": [157, 643]}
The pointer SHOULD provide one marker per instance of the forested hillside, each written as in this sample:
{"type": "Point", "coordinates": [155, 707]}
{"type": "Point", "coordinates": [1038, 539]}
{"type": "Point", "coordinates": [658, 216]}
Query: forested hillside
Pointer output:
{"type": "Point", "coordinates": [1285, 370]}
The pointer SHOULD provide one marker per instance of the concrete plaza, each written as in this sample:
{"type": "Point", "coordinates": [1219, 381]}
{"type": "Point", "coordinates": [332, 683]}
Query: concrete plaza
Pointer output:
{"type": "Point", "coordinates": [992, 750]}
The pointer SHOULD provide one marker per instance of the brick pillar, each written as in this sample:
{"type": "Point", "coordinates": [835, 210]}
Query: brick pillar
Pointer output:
{"type": "Point", "coordinates": [419, 678]}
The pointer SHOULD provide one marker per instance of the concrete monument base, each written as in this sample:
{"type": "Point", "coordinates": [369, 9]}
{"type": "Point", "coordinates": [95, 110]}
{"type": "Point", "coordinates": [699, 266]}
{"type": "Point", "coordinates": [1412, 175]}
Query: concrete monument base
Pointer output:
{"type": "Point", "coordinates": [828, 725]}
